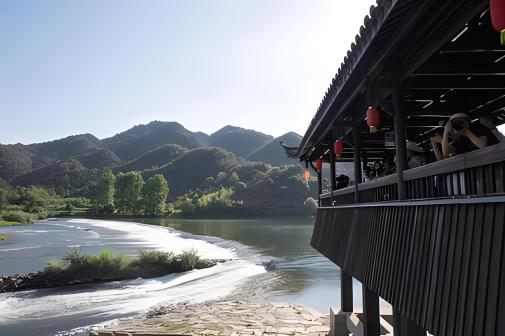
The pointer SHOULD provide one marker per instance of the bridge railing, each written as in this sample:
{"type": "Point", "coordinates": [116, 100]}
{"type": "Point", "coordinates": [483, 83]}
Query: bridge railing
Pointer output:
{"type": "Point", "coordinates": [480, 172]}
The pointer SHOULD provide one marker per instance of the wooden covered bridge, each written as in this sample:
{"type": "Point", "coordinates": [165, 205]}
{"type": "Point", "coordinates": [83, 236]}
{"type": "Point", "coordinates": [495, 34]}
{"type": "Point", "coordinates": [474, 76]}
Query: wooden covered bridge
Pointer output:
{"type": "Point", "coordinates": [429, 240]}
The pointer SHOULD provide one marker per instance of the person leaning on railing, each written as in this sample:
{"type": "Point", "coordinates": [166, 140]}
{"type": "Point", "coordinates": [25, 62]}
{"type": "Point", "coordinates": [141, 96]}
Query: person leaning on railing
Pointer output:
{"type": "Point", "coordinates": [462, 136]}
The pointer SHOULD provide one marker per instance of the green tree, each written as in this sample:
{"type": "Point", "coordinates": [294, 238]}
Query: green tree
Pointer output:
{"type": "Point", "coordinates": [128, 188]}
{"type": "Point", "coordinates": [3, 198]}
{"type": "Point", "coordinates": [154, 195]}
{"type": "Point", "coordinates": [104, 193]}
{"type": "Point", "coordinates": [32, 198]}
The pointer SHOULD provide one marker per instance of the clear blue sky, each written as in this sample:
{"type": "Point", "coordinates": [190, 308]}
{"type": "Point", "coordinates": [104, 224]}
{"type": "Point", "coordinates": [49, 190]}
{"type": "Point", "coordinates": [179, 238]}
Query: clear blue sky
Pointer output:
{"type": "Point", "coordinates": [69, 67]}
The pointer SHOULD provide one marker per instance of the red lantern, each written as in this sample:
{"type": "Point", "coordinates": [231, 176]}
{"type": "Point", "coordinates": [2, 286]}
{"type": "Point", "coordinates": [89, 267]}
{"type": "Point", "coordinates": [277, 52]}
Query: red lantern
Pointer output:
{"type": "Point", "coordinates": [319, 165]}
{"type": "Point", "coordinates": [306, 175]}
{"type": "Point", "coordinates": [497, 11]}
{"type": "Point", "coordinates": [338, 148]}
{"type": "Point", "coordinates": [373, 118]}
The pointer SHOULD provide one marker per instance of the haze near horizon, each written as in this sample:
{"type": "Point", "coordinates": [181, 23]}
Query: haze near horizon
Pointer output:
{"type": "Point", "coordinates": [101, 67]}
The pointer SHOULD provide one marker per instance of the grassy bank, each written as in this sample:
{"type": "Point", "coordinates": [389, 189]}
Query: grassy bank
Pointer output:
{"type": "Point", "coordinates": [79, 268]}
{"type": "Point", "coordinates": [9, 223]}
{"type": "Point", "coordinates": [4, 237]}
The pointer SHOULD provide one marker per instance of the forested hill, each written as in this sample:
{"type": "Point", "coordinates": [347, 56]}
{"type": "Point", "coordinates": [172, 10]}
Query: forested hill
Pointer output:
{"type": "Point", "coordinates": [237, 159]}
{"type": "Point", "coordinates": [141, 147]}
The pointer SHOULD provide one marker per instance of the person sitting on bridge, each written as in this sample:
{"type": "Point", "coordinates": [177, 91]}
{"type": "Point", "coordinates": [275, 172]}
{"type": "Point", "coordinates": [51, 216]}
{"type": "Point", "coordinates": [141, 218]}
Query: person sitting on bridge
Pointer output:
{"type": "Point", "coordinates": [465, 135]}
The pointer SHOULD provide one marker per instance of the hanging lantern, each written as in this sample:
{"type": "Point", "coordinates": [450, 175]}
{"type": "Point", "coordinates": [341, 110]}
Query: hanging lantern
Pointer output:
{"type": "Point", "coordinates": [497, 11]}
{"type": "Point", "coordinates": [373, 118]}
{"type": "Point", "coordinates": [306, 175]}
{"type": "Point", "coordinates": [319, 165]}
{"type": "Point", "coordinates": [338, 148]}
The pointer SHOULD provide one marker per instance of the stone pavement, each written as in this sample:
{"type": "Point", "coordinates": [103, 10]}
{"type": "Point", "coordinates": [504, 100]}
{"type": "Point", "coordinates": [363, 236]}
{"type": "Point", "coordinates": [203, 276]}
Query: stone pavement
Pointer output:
{"type": "Point", "coordinates": [223, 318]}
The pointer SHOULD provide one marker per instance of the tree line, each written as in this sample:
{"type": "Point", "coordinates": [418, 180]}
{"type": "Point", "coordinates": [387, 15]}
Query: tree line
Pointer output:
{"type": "Point", "coordinates": [128, 194]}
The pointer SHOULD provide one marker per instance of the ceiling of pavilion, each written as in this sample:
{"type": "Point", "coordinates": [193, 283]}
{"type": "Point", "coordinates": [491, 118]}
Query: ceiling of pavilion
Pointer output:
{"type": "Point", "coordinates": [464, 73]}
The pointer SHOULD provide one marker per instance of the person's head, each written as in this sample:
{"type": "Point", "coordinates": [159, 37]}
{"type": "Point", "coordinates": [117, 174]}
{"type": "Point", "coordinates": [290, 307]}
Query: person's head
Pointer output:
{"type": "Point", "coordinates": [460, 122]}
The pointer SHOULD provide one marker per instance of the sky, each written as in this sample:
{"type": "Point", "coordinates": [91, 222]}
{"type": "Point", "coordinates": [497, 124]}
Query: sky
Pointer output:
{"type": "Point", "coordinates": [101, 67]}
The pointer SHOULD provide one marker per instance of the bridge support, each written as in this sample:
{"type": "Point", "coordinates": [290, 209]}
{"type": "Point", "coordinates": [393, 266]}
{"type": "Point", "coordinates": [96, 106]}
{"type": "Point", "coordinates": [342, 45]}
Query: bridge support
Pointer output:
{"type": "Point", "coordinates": [346, 302]}
{"type": "Point", "coordinates": [371, 313]}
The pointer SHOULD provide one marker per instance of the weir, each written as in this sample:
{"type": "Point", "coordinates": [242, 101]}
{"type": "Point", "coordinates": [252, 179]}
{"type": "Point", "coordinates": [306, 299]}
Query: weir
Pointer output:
{"type": "Point", "coordinates": [425, 235]}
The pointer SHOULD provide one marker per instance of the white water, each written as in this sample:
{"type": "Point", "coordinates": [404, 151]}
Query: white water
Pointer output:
{"type": "Point", "coordinates": [160, 238]}
{"type": "Point", "coordinates": [68, 308]}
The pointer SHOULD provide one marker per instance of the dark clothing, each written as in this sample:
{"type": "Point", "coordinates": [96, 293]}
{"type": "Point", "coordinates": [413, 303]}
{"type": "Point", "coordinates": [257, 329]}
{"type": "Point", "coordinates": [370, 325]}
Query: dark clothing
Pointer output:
{"type": "Point", "coordinates": [464, 145]}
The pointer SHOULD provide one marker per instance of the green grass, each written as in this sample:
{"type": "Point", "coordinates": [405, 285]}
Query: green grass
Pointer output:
{"type": "Point", "coordinates": [9, 223]}
{"type": "Point", "coordinates": [77, 266]}
{"type": "Point", "coordinates": [177, 326]}
{"type": "Point", "coordinates": [4, 237]}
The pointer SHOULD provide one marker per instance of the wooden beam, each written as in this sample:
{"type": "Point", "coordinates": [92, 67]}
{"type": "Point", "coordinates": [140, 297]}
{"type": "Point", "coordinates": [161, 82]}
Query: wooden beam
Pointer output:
{"type": "Point", "coordinates": [466, 82]}
{"type": "Point", "coordinates": [422, 46]}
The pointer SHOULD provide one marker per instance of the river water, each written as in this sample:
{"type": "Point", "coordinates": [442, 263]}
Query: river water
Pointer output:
{"type": "Point", "coordinates": [283, 244]}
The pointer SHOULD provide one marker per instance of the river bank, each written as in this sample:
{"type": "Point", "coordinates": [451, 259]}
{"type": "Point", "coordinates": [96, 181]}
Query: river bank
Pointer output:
{"type": "Point", "coordinates": [245, 311]}
{"type": "Point", "coordinates": [226, 317]}
{"type": "Point", "coordinates": [78, 269]}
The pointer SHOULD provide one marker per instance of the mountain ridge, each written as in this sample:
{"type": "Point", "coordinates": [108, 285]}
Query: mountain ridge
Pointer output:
{"type": "Point", "coordinates": [140, 147]}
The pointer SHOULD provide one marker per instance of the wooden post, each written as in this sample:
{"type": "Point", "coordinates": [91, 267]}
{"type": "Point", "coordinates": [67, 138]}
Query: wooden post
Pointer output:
{"type": "Point", "coordinates": [371, 313]}
{"type": "Point", "coordinates": [333, 178]}
{"type": "Point", "coordinates": [400, 143]}
{"type": "Point", "coordinates": [346, 302]}
{"type": "Point", "coordinates": [357, 162]}
{"type": "Point", "coordinates": [402, 325]}
{"type": "Point", "coordinates": [319, 186]}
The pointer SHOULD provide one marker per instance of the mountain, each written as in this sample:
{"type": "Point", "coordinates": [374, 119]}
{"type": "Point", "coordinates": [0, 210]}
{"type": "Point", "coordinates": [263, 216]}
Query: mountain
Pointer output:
{"type": "Point", "coordinates": [238, 140]}
{"type": "Point", "coordinates": [100, 158]}
{"type": "Point", "coordinates": [15, 160]}
{"type": "Point", "coordinates": [272, 152]}
{"type": "Point", "coordinates": [191, 169]}
{"type": "Point", "coordinates": [19, 159]}
{"type": "Point", "coordinates": [167, 147]}
{"type": "Point", "coordinates": [66, 177]}
{"type": "Point", "coordinates": [153, 159]}
{"type": "Point", "coordinates": [140, 139]}
{"type": "Point", "coordinates": [69, 146]}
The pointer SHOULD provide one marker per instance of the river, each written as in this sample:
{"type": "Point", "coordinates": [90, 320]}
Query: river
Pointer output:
{"type": "Point", "coordinates": [283, 244]}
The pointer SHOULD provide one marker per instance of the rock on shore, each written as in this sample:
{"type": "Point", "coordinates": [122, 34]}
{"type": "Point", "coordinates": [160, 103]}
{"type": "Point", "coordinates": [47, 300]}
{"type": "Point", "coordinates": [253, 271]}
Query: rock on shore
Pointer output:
{"type": "Point", "coordinates": [226, 318]}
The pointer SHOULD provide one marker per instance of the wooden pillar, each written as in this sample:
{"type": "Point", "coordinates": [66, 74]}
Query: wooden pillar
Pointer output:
{"type": "Point", "coordinates": [371, 313]}
{"type": "Point", "coordinates": [346, 302]}
{"type": "Point", "coordinates": [400, 143]}
{"type": "Point", "coordinates": [357, 162]}
{"type": "Point", "coordinates": [319, 186]}
{"type": "Point", "coordinates": [333, 178]}
{"type": "Point", "coordinates": [402, 325]}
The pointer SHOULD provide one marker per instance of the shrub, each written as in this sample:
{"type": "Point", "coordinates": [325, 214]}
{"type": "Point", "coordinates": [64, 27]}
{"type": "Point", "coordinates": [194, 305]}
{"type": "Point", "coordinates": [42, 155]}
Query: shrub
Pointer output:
{"type": "Point", "coordinates": [188, 259]}
{"type": "Point", "coordinates": [53, 266]}
{"type": "Point", "coordinates": [108, 265]}
{"type": "Point", "coordinates": [17, 216]}
{"type": "Point", "coordinates": [156, 258]}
